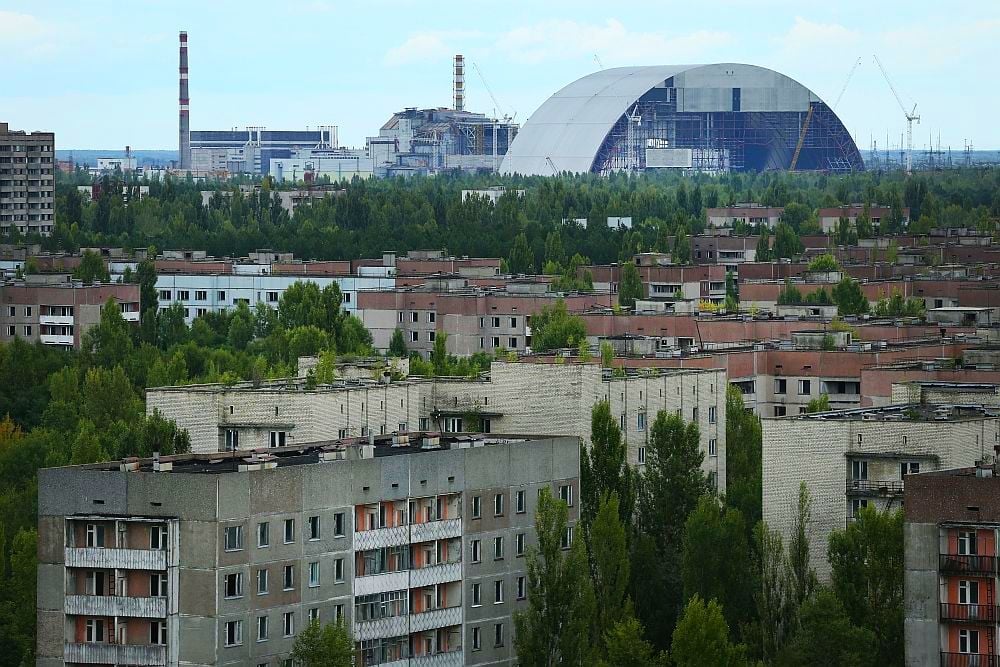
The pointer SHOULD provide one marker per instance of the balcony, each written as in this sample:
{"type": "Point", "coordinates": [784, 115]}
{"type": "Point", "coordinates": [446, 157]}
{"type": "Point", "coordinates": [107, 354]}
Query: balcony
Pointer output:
{"type": "Point", "coordinates": [969, 613]}
{"type": "Point", "coordinates": [874, 487]}
{"type": "Point", "coordinates": [968, 660]}
{"type": "Point", "coordinates": [110, 605]}
{"type": "Point", "coordinates": [55, 339]}
{"type": "Point", "coordinates": [57, 320]}
{"type": "Point", "coordinates": [130, 315]}
{"type": "Point", "coordinates": [381, 628]}
{"type": "Point", "coordinates": [452, 658]}
{"type": "Point", "coordinates": [436, 618]}
{"type": "Point", "coordinates": [379, 538]}
{"type": "Point", "coordinates": [435, 530]}
{"type": "Point", "coordinates": [967, 564]}
{"type": "Point", "coordinates": [115, 654]}
{"type": "Point", "coordinates": [382, 583]}
{"type": "Point", "coordinates": [108, 559]}
{"type": "Point", "coordinates": [435, 574]}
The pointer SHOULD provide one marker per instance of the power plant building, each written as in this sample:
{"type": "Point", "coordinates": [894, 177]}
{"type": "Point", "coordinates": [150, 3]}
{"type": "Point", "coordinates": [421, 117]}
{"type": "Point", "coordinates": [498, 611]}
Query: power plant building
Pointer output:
{"type": "Point", "coordinates": [251, 150]}
{"type": "Point", "coordinates": [709, 118]}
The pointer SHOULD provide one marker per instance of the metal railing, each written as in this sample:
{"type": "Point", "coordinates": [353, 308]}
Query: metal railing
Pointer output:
{"type": "Point", "coordinates": [874, 487]}
{"type": "Point", "coordinates": [968, 660]}
{"type": "Point", "coordinates": [967, 564]}
{"type": "Point", "coordinates": [971, 613]}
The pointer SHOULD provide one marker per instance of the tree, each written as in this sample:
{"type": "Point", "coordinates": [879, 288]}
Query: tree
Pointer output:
{"type": "Point", "coordinates": [743, 458]}
{"type": "Point", "coordinates": [849, 298]}
{"type": "Point", "coordinates": [867, 575]}
{"type": "Point", "coordinates": [172, 329]}
{"type": "Point", "coordinates": [786, 242]}
{"type": "Point", "coordinates": [110, 342]}
{"type": "Point", "coordinates": [609, 565]}
{"type": "Point", "coordinates": [625, 646]}
{"type": "Point", "coordinates": [305, 304]}
{"type": "Point", "coordinates": [630, 286]}
{"type": "Point", "coordinates": [397, 346]}
{"type": "Point", "coordinates": [439, 354]}
{"type": "Point", "coordinates": [732, 293]}
{"type": "Point", "coordinates": [554, 628]}
{"type": "Point", "coordinates": [827, 638]}
{"type": "Point", "coordinates": [803, 580]}
{"type": "Point", "coordinates": [821, 403]}
{"type": "Point", "coordinates": [789, 294]}
{"type": "Point", "coordinates": [327, 645]}
{"type": "Point", "coordinates": [91, 268]}
{"type": "Point", "coordinates": [241, 326]}
{"type": "Point", "coordinates": [864, 222]}
{"type": "Point", "coordinates": [701, 638]}
{"type": "Point", "coordinates": [682, 246]}
{"type": "Point", "coordinates": [521, 259]}
{"type": "Point", "coordinates": [715, 563]}
{"type": "Point", "coordinates": [306, 341]}
{"type": "Point", "coordinates": [604, 470]}
{"type": "Point", "coordinates": [554, 328]}
{"type": "Point", "coordinates": [764, 253]}
{"type": "Point", "coordinates": [824, 263]}
{"type": "Point", "coordinates": [773, 597]}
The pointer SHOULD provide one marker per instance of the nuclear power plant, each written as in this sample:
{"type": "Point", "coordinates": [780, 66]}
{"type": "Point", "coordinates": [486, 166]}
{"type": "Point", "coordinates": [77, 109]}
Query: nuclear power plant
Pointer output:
{"type": "Point", "coordinates": [184, 118]}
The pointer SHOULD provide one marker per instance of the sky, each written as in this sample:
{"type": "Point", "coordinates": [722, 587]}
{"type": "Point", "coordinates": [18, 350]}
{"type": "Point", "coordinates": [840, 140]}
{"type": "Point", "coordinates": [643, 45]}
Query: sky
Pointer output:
{"type": "Point", "coordinates": [102, 74]}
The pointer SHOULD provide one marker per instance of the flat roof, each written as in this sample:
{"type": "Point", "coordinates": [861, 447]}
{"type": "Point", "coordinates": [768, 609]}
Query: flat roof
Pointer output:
{"type": "Point", "coordinates": [906, 412]}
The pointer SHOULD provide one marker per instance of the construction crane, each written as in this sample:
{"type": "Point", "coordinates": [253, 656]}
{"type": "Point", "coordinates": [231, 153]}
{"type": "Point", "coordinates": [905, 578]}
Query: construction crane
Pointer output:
{"type": "Point", "coordinates": [802, 139]}
{"type": "Point", "coordinates": [910, 117]}
{"type": "Point", "coordinates": [598, 61]}
{"type": "Point", "coordinates": [496, 105]}
{"type": "Point", "coordinates": [844, 89]}
{"type": "Point", "coordinates": [632, 153]}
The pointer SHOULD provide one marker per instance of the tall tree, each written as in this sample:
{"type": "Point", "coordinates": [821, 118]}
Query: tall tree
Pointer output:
{"type": "Point", "coordinates": [110, 342]}
{"type": "Point", "coordinates": [327, 645]}
{"type": "Point", "coordinates": [397, 346]}
{"type": "Point", "coordinates": [803, 576]}
{"type": "Point", "coordinates": [786, 242]}
{"type": "Point", "coordinates": [610, 567]}
{"type": "Point", "coordinates": [521, 259]}
{"type": "Point", "coordinates": [827, 638]}
{"type": "Point", "coordinates": [773, 596]}
{"type": "Point", "coordinates": [701, 638]}
{"type": "Point", "coordinates": [554, 628]}
{"type": "Point", "coordinates": [604, 469]}
{"type": "Point", "coordinates": [91, 268]}
{"type": "Point", "coordinates": [554, 327]}
{"type": "Point", "coordinates": [625, 646]}
{"type": "Point", "coordinates": [630, 285]}
{"type": "Point", "coordinates": [764, 253]}
{"type": "Point", "coordinates": [743, 458]}
{"type": "Point", "coordinates": [849, 298]}
{"type": "Point", "coordinates": [867, 562]}
{"type": "Point", "coordinates": [439, 354]}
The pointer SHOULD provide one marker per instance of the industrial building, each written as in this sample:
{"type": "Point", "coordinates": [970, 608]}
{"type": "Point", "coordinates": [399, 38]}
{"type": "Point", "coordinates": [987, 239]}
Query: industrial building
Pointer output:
{"type": "Point", "coordinates": [416, 540]}
{"type": "Point", "coordinates": [710, 118]}
{"type": "Point", "coordinates": [27, 184]}
{"type": "Point", "coordinates": [251, 150]}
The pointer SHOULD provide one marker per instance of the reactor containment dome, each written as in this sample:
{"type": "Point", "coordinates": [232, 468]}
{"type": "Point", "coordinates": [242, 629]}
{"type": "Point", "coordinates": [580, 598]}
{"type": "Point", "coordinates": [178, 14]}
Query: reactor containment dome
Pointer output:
{"type": "Point", "coordinates": [708, 118]}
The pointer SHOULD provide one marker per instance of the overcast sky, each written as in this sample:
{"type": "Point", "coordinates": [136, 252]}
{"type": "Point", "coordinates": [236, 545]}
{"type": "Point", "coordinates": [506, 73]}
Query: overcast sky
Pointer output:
{"type": "Point", "coordinates": [103, 74]}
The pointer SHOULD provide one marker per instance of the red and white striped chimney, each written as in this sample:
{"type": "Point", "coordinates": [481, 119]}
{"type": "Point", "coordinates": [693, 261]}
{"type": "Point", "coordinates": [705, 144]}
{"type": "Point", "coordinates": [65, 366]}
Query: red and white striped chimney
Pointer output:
{"type": "Point", "coordinates": [459, 86]}
{"type": "Point", "coordinates": [184, 124]}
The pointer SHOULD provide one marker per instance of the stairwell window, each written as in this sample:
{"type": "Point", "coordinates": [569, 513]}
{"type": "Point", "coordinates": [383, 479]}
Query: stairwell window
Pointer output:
{"type": "Point", "coordinates": [520, 502]}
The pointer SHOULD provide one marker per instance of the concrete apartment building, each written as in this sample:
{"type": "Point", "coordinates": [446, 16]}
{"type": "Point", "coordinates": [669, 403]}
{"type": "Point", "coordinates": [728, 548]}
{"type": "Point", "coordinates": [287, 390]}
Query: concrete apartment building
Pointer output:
{"type": "Point", "coordinates": [703, 282]}
{"type": "Point", "coordinates": [55, 310]}
{"type": "Point", "coordinates": [851, 459]}
{"type": "Point", "coordinates": [950, 559]}
{"type": "Point", "coordinates": [27, 183]}
{"type": "Point", "coordinates": [829, 218]}
{"type": "Point", "coordinates": [756, 215]}
{"type": "Point", "coordinates": [417, 541]}
{"type": "Point", "coordinates": [518, 397]}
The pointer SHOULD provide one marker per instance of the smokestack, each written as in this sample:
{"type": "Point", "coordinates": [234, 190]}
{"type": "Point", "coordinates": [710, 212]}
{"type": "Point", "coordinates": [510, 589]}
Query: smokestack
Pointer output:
{"type": "Point", "coordinates": [184, 121]}
{"type": "Point", "coordinates": [459, 87]}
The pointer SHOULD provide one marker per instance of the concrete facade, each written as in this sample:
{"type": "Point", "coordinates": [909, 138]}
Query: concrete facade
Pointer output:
{"type": "Point", "coordinates": [27, 182]}
{"type": "Point", "coordinates": [418, 545]}
{"type": "Point", "coordinates": [854, 458]}
{"type": "Point", "coordinates": [518, 397]}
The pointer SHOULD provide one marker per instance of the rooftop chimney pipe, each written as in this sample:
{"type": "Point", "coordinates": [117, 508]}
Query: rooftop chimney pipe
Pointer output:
{"type": "Point", "coordinates": [184, 120]}
{"type": "Point", "coordinates": [459, 87]}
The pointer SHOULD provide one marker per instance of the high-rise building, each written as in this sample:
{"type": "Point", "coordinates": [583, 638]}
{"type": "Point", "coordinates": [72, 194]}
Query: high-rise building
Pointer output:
{"type": "Point", "coordinates": [417, 541]}
{"type": "Point", "coordinates": [27, 184]}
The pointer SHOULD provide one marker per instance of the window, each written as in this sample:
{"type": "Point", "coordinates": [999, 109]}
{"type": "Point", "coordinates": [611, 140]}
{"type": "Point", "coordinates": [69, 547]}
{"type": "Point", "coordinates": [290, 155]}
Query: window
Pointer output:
{"type": "Point", "coordinates": [495, 322]}
{"type": "Point", "coordinates": [476, 640]}
{"type": "Point", "coordinates": [857, 505]}
{"type": "Point", "coordinates": [277, 438]}
{"type": "Point", "coordinates": [694, 414]}
{"type": "Point", "coordinates": [713, 447]}
{"type": "Point", "coordinates": [263, 535]}
{"type": "Point", "coordinates": [272, 297]}
{"type": "Point", "coordinates": [262, 581]}
{"type": "Point", "coordinates": [262, 628]}
{"type": "Point", "coordinates": [289, 531]}
{"type": "Point", "coordinates": [519, 544]}
{"type": "Point", "coordinates": [968, 592]}
{"type": "Point", "coordinates": [314, 528]}
{"type": "Point", "coordinates": [498, 635]}
{"type": "Point", "coordinates": [400, 316]}
{"type": "Point", "coordinates": [27, 311]}
{"type": "Point", "coordinates": [165, 295]}
{"type": "Point", "coordinates": [513, 323]}
{"type": "Point", "coordinates": [780, 386]}
{"type": "Point", "coordinates": [338, 570]}
{"type": "Point", "coordinates": [432, 336]}
{"type": "Point", "coordinates": [338, 524]}
{"type": "Point", "coordinates": [779, 411]}
{"type": "Point", "coordinates": [27, 330]}
{"type": "Point", "coordinates": [640, 421]}
{"type": "Point", "coordinates": [519, 501]}
{"type": "Point", "coordinates": [474, 546]}
{"type": "Point", "coordinates": [496, 341]}
{"type": "Point", "coordinates": [498, 591]}
{"type": "Point", "coordinates": [200, 295]}
{"type": "Point", "coordinates": [498, 548]}
{"type": "Point", "coordinates": [289, 623]}
{"type": "Point", "coordinates": [414, 317]}
{"type": "Point", "coordinates": [566, 494]}
{"type": "Point", "coordinates": [642, 456]}
{"type": "Point", "coordinates": [11, 331]}
{"type": "Point", "coordinates": [11, 312]}
{"type": "Point", "coordinates": [158, 633]}
{"type": "Point", "coordinates": [234, 633]}
{"type": "Point", "coordinates": [621, 421]}
{"type": "Point", "coordinates": [908, 468]}
{"type": "Point", "coordinates": [477, 598]}
{"type": "Point", "coordinates": [805, 387]}
{"type": "Point", "coordinates": [288, 578]}
{"type": "Point", "coordinates": [968, 641]}
{"type": "Point", "coordinates": [512, 342]}
{"type": "Point", "coordinates": [158, 537]}
{"type": "Point", "coordinates": [711, 414]}
{"type": "Point", "coordinates": [431, 317]}
{"type": "Point", "coordinates": [232, 439]}
{"type": "Point", "coordinates": [498, 504]}
{"type": "Point", "coordinates": [314, 615]}
{"type": "Point", "coordinates": [183, 295]}
{"type": "Point", "coordinates": [313, 574]}
{"type": "Point", "coordinates": [157, 584]}
{"type": "Point", "coordinates": [567, 538]}
{"type": "Point", "coordinates": [476, 507]}
{"type": "Point", "coordinates": [522, 589]}
{"type": "Point", "coordinates": [234, 538]}
{"type": "Point", "coordinates": [234, 585]}
{"type": "Point", "coordinates": [859, 469]}
{"type": "Point", "coordinates": [95, 630]}
{"type": "Point", "coordinates": [222, 295]}
{"type": "Point", "coordinates": [967, 545]}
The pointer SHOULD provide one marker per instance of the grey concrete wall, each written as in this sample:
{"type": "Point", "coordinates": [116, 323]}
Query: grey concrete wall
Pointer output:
{"type": "Point", "coordinates": [922, 593]}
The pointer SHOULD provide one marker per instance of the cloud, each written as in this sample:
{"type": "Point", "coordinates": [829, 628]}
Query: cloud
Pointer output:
{"type": "Point", "coordinates": [561, 39]}
{"type": "Point", "coordinates": [427, 46]}
{"type": "Point", "coordinates": [805, 35]}
{"type": "Point", "coordinates": [30, 36]}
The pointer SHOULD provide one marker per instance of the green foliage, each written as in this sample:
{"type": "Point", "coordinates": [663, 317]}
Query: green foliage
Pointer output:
{"type": "Point", "coordinates": [630, 285]}
{"type": "Point", "coordinates": [327, 645]}
{"type": "Point", "coordinates": [604, 469]}
{"type": "Point", "coordinates": [789, 295]}
{"type": "Point", "coordinates": [609, 567]}
{"type": "Point", "coordinates": [521, 258]}
{"type": "Point", "coordinates": [743, 458]}
{"type": "Point", "coordinates": [764, 252]}
{"type": "Point", "coordinates": [607, 354]}
{"type": "Point", "coordinates": [849, 298]}
{"type": "Point", "coordinates": [898, 306]}
{"type": "Point", "coordinates": [553, 628]}
{"type": "Point", "coordinates": [625, 646]}
{"type": "Point", "coordinates": [825, 263]}
{"type": "Point", "coordinates": [554, 327]}
{"type": "Point", "coordinates": [786, 242]}
{"type": "Point", "coordinates": [821, 403]}
{"type": "Point", "coordinates": [827, 638]}
{"type": "Point", "coordinates": [867, 563]}
{"type": "Point", "coordinates": [701, 638]}
{"type": "Point", "coordinates": [773, 598]}
{"type": "Point", "coordinates": [91, 268]}
{"type": "Point", "coordinates": [397, 346]}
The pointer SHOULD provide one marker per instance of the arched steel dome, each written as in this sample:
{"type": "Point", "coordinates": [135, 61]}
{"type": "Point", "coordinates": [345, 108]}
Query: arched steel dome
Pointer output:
{"type": "Point", "coordinates": [721, 117]}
